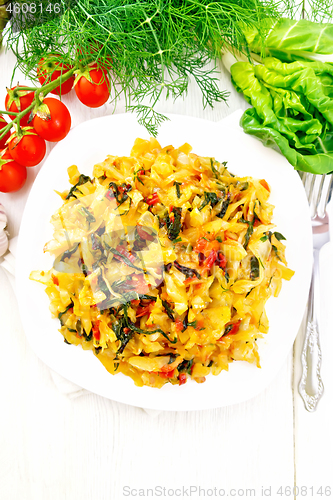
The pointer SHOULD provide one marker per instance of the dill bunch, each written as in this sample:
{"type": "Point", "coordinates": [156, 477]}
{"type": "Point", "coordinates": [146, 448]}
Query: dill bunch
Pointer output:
{"type": "Point", "coordinates": [149, 46]}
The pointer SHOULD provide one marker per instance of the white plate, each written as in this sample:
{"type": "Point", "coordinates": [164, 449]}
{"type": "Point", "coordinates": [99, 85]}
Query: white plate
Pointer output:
{"type": "Point", "coordinates": [88, 144]}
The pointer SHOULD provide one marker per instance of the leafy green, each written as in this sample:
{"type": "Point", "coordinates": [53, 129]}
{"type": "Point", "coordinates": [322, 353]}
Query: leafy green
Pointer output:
{"type": "Point", "coordinates": [292, 39]}
{"type": "Point", "coordinates": [292, 109]}
{"type": "Point", "coordinates": [82, 180]}
{"type": "Point", "coordinates": [168, 310]}
{"type": "Point", "coordinates": [173, 223]}
{"type": "Point", "coordinates": [254, 274]}
{"type": "Point", "coordinates": [177, 184]}
{"type": "Point", "coordinates": [279, 236]}
{"type": "Point", "coordinates": [225, 206]}
{"type": "Point", "coordinates": [60, 315]}
{"type": "Point", "coordinates": [209, 198]}
{"type": "Point", "coordinates": [188, 271]}
{"type": "Point", "coordinates": [186, 366]}
{"type": "Point", "coordinates": [249, 231]}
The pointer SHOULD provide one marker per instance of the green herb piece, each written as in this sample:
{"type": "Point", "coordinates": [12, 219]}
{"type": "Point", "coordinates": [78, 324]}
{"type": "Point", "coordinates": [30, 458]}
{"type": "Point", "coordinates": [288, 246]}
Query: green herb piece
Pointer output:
{"type": "Point", "coordinates": [71, 330]}
{"type": "Point", "coordinates": [68, 253]}
{"type": "Point", "coordinates": [60, 315]}
{"type": "Point", "coordinates": [173, 358]}
{"type": "Point", "coordinates": [249, 231]}
{"type": "Point", "coordinates": [125, 259]}
{"type": "Point", "coordinates": [219, 239]}
{"type": "Point", "coordinates": [279, 236]}
{"type": "Point", "coordinates": [264, 238]}
{"type": "Point", "coordinates": [174, 224]}
{"type": "Point", "coordinates": [276, 251]}
{"type": "Point", "coordinates": [89, 337]}
{"type": "Point", "coordinates": [168, 310]}
{"type": "Point", "coordinates": [254, 274]}
{"type": "Point", "coordinates": [186, 366]}
{"type": "Point", "coordinates": [228, 329]}
{"type": "Point", "coordinates": [225, 206]}
{"type": "Point", "coordinates": [120, 192]}
{"type": "Point", "coordinates": [214, 170]}
{"type": "Point", "coordinates": [147, 297]}
{"type": "Point", "coordinates": [188, 271]}
{"type": "Point", "coordinates": [177, 184]}
{"type": "Point", "coordinates": [86, 213]}
{"type": "Point", "coordinates": [209, 198]}
{"type": "Point", "coordinates": [82, 180]}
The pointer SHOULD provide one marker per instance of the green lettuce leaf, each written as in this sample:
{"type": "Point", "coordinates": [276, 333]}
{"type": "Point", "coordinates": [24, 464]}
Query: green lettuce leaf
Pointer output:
{"type": "Point", "coordinates": [293, 109]}
{"type": "Point", "coordinates": [289, 39]}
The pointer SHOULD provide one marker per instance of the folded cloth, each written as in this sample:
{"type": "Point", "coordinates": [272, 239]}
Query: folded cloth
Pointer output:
{"type": "Point", "coordinates": [69, 389]}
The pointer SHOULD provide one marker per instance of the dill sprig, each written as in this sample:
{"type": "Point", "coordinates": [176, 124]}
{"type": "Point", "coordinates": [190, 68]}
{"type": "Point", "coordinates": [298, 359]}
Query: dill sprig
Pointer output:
{"type": "Point", "coordinates": [152, 48]}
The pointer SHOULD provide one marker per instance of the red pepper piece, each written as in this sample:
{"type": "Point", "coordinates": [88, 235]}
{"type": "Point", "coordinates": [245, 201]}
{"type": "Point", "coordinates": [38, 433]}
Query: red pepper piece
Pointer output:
{"type": "Point", "coordinates": [143, 234]}
{"type": "Point", "coordinates": [210, 260]}
{"type": "Point", "coordinates": [55, 280]}
{"type": "Point", "coordinates": [95, 329]}
{"type": "Point", "coordinates": [152, 200]}
{"type": "Point", "coordinates": [221, 260]}
{"type": "Point", "coordinates": [125, 253]}
{"type": "Point", "coordinates": [179, 325]}
{"type": "Point", "coordinates": [142, 311]}
{"type": "Point", "coordinates": [109, 195]}
{"type": "Point", "coordinates": [169, 374]}
{"type": "Point", "coordinates": [182, 378]}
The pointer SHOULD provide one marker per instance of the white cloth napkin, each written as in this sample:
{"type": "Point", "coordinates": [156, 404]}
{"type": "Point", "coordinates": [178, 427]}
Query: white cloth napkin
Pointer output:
{"type": "Point", "coordinates": [69, 389]}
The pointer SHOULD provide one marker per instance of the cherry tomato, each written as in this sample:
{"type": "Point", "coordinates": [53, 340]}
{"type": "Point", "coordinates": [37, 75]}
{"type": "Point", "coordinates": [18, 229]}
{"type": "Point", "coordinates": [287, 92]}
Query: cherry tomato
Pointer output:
{"type": "Point", "coordinates": [49, 69]}
{"type": "Point", "coordinates": [12, 174]}
{"type": "Point", "coordinates": [58, 126]}
{"type": "Point", "coordinates": [28, 150]}
{"type": "Point", "coordinates": [3, 124]}
{"type": "Point", "coordinates": [18, 100]}
{"type": "Point", "coordinates": [95, 93]}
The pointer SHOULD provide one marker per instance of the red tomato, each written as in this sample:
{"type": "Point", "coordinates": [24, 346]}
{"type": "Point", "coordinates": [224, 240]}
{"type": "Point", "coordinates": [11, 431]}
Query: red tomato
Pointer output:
{"type": "Point", "coordinates": [12, 174]}
{"type": "Point", "coordinates": [49, 69]}
{"type": "Point", "coordinates": [3, 141]}
{"type": "Point", "coordinates": [95, 93]}
{"type": "Point", "coordinates": [28, 150]}
{"type": "Point", "coordinates": [18, 100]}
{"type": "Point", "coordinates": [57, 127]}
